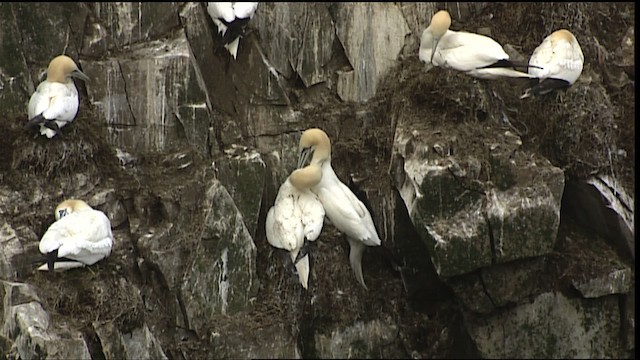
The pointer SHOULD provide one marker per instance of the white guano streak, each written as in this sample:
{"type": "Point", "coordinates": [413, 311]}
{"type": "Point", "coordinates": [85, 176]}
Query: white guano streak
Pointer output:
{"type": "Point", "coordinates": [223, 289]}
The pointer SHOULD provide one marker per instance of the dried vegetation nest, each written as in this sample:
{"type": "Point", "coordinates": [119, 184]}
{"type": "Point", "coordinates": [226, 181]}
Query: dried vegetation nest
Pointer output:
{"type": "Point", "coordinates": [99, 293]}
{"type": "Point", "coordinates": [585, 129]}
{"type": "Point", "coordinates": [81, 148]}
{"type": "Point", "coordinates": [590, 127]}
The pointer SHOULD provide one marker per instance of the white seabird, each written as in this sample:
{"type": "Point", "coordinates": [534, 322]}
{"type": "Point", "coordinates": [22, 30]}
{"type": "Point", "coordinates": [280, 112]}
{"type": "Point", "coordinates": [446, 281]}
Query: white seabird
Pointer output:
{"type": "Point", "coordinates": [344, 210]}
{"type": "Point", "coordinates": [296, 215]}
{"type": "Point", "coordinates": [474, 54]}
{"type": "Point", "coordinates": [55, 101]}
{"type": "Point", "coordinates": [80, 236]}
{"type": "Point", "coordinates": [231, 18]}
{"type": "Point", "coordinates": [560, 61]}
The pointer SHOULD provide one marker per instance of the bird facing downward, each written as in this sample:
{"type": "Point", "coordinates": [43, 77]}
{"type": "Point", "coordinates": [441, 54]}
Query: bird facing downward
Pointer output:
{"type": "Point", "coordinates": [80, 236]}
{"type": "Point", "coordinates": [560, 59]}
{"type": "Point", "coordinates": [345, 211]}
{"type": "Point", "coordinates": [296, 215]}
{"type": "Point", "coordinates": [231, 18]}
{"type": "Point", "coordinates": [55, 102]}
{"type": "Point", "coordinates": [474, 54]}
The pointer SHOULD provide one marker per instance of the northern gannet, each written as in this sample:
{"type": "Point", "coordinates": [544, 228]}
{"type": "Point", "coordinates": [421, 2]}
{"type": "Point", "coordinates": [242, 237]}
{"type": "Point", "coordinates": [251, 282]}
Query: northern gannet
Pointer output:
{"type": "Point", "coordinates": [560, 59]}
{"type": "Point", "coordinates": [344, 210]}
{"type": "Point", "coordinates": [231, 18]}
{"type": "Point", "coordinates": [296, 215]}
{"type": "Point", "coordinates": [474, 54]}
{"type": "Point", "coordinates": [55, 101]}
{"type": "Point", "coordinates": [80, 236]}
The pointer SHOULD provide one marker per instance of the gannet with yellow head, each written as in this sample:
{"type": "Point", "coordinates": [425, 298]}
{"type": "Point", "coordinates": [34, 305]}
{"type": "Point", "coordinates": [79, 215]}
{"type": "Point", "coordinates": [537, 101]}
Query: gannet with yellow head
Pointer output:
{"type": "Point", "coordinates": [345, 211]}
{"type": "Point", "coordinates": [80, 236]}
{"type": "Point", "coordinates": [296, 215]}
{"type": "Point", "coordinates": [474, 54]}
{"type": "Point", "coordinates": [231, 18]}
{"type": "Point", "coordinates": [560, 61]}
{"type": "Point", "coordinates": [55, 101]}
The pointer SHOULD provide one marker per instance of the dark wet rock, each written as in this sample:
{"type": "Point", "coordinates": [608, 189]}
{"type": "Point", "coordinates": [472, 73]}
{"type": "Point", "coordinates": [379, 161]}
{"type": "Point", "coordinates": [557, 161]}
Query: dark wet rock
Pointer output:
{"type": "Point", "coordinates": [493, 205]}
{"type": "Point", "coordinates": [368, 63]}
{"type": "Point", "coordinates": [232, 340]}
{"type": "Point", "coordinates": [242, 171]}
{"type": "Point", "coordinates": [615, 282]}
{"type": "Point", "coordinates": [139, 343]}
{"type": "Point", "coordinates": [602, 204]}
{"type": "Point", "coordinates": [551, 324]}
{"type": "Point", "coordinates": [363, 340]}
{"type": "Point", "coordinates": [222, 277]}
{"type": "Point", "coordinates": [28, 325]}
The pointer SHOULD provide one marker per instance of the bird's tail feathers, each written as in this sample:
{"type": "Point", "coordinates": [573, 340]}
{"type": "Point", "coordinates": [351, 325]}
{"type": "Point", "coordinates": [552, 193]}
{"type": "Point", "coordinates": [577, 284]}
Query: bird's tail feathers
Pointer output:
{"type": "Point", "coordinates": [53, 260]}
{"type": "Point", "coordinates": [235, 30]}
{"type": "Point", "coordinates": [523, 65]}
{"type": "Point", "coordinates": [508, 72]}
{"type": "Point", "coordinates": [35, 121]}
{"type": "Point", "coordinates": [233, 48]}
{"type": "Point", "coordinates": [304, 251]}
{"type": "Point", "coordinates": [62, 265]}
{"type": "Point", "coordinates": [355, 259]}
{"type": "Point", "coordinates": [302, 267]}
{"type": "Point", "coordinates": [511, 64]}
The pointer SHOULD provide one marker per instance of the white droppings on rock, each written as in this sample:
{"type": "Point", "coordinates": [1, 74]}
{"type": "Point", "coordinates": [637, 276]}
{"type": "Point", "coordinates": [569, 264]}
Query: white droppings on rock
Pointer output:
{"type": "Point", "coordinates": [224, 282]}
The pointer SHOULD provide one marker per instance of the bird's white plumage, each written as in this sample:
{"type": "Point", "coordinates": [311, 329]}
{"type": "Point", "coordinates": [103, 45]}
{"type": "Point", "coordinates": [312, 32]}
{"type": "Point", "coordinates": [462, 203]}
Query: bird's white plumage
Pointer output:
{"type": "Point", "coordinates": [221, 10]}
{"type": "Point", "coordinates": [54, 101]}
{"type": "Point", "coordinates": [463, 51]}
{"type": "Point", "coordinates": [559, 56]}
{"type": "Point", "coordinates": [56, 98]}
{"type": "Point", "coordinates": [346, 212]}
{"type": "Point", "coordinates": [343, 209]}
{"type": "Point", "coordinates": [83, 234]}
{"type": "Point", "coordinates": [230, 12]}
{"type": "Point", "coordinates": [296, 214]}
{"type": "Point", "coordinates": [243, 10]}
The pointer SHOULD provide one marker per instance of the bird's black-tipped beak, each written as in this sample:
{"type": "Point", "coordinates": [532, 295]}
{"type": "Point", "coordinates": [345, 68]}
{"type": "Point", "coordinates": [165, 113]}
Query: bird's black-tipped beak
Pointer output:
{"type": "Point", "coordinates": [433, 49]}
{"type": "Point", "coordinates": [79, 75]}
{"type": "Point", "coordinates": [305, 157]}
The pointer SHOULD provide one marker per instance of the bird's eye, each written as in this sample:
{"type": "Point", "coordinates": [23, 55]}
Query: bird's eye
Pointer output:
{"type": "Point", "coordinates": [62, 213]}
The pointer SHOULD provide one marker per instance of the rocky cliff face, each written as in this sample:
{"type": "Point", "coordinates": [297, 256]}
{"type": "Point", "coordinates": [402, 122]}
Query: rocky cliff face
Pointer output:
{"type": "Point", "coordinates": [497, 239]}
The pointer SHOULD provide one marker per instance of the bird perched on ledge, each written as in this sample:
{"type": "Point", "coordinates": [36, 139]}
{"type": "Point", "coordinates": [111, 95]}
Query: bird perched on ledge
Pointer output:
{"type": "Point", "coordinates": [80, 236]}
{"type": "Point", "coordinates": [231, 18]}
{"type": "Point", "coordinates": [296, 215]}
{"type": "Point", "coordinates": [557, 61]}
{"type": "Point", "coordinates": [474, 54]}
{"type": "Point", "coordinates": [345, 211]}
{"type": "Point", "coordinates": [55, 102]}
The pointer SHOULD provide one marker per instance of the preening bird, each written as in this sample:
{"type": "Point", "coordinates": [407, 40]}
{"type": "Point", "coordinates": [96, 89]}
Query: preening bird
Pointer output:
{"type": "Point", "coordinates": [296, 215]}
{"type": "Point", "coordinates": [231, 18]}
{"type": "Point", "coordinates": [55, 102]}
{"type": "Point", "coordinates": [558, 60]}
{"type": "Point", "coordinates": [345, 211]}
{"type": "Point", "coordinates": [80, 236]}
{"type": "Point", "coordinates": [474, 54]}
